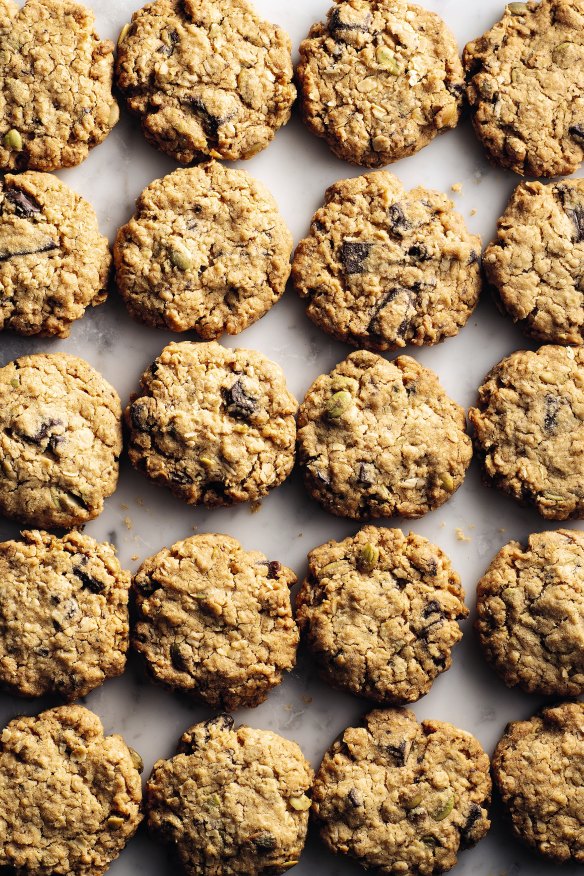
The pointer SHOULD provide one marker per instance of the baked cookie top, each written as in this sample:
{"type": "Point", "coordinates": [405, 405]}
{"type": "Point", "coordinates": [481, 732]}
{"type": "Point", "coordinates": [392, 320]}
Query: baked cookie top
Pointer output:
{"type": "Point", "coordinates": [232, 802]}
{"type": "Point", "coordinates": [60, 440]}
{"type": "Point", "coordinates": [537, 767]}
{"type": "Point", "coordinates": [529, 429]}
{"type": "Point", "coordinates": [395, 794]}
{"type": "Point", "coordinates": [56, 75]}
{"type": "Point", "coordinates": [382, 267]}
{"type": "Point", "coordinates": [379, 438]}
{"type": "Point", "coordinates": [208, 78]}
{"type": "Point", "coordinates": [525, 86]}
{"type": "Point", "coordinates": [215, 425]}
{"type": "Point", "coordinates": [70, 796]}
{"type": "Point", "coordinates": [207, 249]}
{"type": "Point", "coordinates": [379, 79]}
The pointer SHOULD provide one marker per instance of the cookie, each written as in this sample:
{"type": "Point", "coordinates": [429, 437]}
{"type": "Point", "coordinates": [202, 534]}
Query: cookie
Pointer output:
{"type": "Point", "coordinates": [379, 438]}
{"type": "Point", "coordinates": [537, 767]}
{"type": "Point", "coordinates": [60, 440]}
{"type": "Point", "coordinates": [208, 78]}
{"type": "Point", "coordinates": [529, 429]}
{"type": "Point", "coordinates": [206, 250]}
{"type": "Point", "coordinates": [535, 262]}
{"type": "Point", "coordinates": [403, 797]}
{"type": "Point", "coordinates": [53, 261]}
{"type": "Point", "coordinates": [232, 802]}
{"type": "Point", "coordinates": [382, 267]}
{"type": "Point", "coordinates": [63, 615]}
{"type": "Point", "coordinates": [215, 425]}
{"type": "Point", "coordinates": [379, 613]}
{"type": "Point", "coordinates": [378, 81]}
{"type": "Point", "coordinates": [525, 87]}
{"type": "Point", "coordinates": [56, 75]}
{"type": "Point", "coordinates": [69, 796]}
{"type": "Point", "coordinates": [215, 621]}
{"type": "Point", "coordinates": [530, 613]}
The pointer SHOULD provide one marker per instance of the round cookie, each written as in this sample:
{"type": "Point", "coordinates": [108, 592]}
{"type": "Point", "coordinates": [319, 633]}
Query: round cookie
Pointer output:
{"type": "Point", "coordinates": [56, 75]}
{"type": "Point", "coordinates": [69, 796]}
{"type": "Point", "coordinates": [379, 438]}
{"type": "Point", "coordinates": [213, 424]}
{"type": "Point", "coordinates": [529, 429]}
{"type": "Point", "coordinates": [525, 86]}
{"type": "Point", "coordinates": [403, 797]}
{"type": "Point", "coordinates": [215, 621]}
{"type": "Point", "coordinates": [530, 607]}
{"type": "Point", "coordinates": [535, 262]}
{"type": "Point", "coordinates": [63, 615]}
{"type": "Point", "coordinates": [206, 250]}
{"type": "Point", "coordinates": [208, 78]}
{"type": "Point", "coordinates": [378, 81]}
{"type": "Point", "coordinates": [537, 766]}
{"type": "Point", "coordinates": [60, 440]}
{"type": "Point", "coordinates": [378, 612]}
{"type": "Point", "coordinates": [231, 802]}
{"type": "Point", "coordinates": [382, 267]}
{"type": "Point", "coordinates": [53, 261]}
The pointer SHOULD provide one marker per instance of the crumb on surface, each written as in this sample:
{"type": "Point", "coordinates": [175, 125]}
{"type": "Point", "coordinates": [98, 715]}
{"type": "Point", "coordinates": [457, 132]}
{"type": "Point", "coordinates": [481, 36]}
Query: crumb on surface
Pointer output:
{"type": "Point", "coordinates": [254, 507]}
{"type": "Point", "coordinates": [128, 523]}
{"type": "Point", "coordinates": [460, 535]}
{"type": "Point", "coordinates": [473, 212]}
{"type": "Point", "coordinates": [456, 187]}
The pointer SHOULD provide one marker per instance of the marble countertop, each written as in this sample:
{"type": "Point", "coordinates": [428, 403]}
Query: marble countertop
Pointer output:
{"type": "Point", "coordinates": [141, 518]}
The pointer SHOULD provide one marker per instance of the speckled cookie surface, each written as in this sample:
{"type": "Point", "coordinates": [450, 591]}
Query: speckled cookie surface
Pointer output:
{"type": "Point", "coordinates": [382, 267]}
{"type": "Point", "coordinates": [53, 261]}
{"type": "Point", "coordinates": [215, 620]}
{"type": "Point", "coordinates": [529, 429]}
{"type": "Point", "coordinates": [206, 250]}
{"type": "Point", "coordinates": [60, 440]}
{"type": "Point", "coordinates": [70, 796]}
{"type": "Point", "coordinates": [403, 797]}
{"type": "Point", "coordinates": [56, 75]}
{"type": "Point", "coordinates": [232, 802]}
{"type": "Point", "coordinates": [208, 78]}
{"type": "Point", "coordinates": [215, 425]}
{"type": "Point", "coordinates": [537, 766]}
{"type": "Point", "coordinates": [379, 438]}
{"type": "Point", "coordinates": [379, 613]}
{"type": "Point", "coordinates": [525, 86]}
{"type": "Point", "coordinates": [379, 79]}
{"type": "Point", "coordinates": [535, 262]}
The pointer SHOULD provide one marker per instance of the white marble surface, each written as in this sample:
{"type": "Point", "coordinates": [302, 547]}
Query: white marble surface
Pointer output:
{"type": "Point", "coordinates": [141, 518]}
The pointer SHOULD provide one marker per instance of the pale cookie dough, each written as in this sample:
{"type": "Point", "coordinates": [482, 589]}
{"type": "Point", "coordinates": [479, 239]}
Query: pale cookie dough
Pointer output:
{"type": "Point", "coordinates": [60, 440]}
{"type": "Point", "coordinates": [56, 101]}
{"type": "Point", "coordinates": [379, 438]}
{"type": "Point", "coordinates": [402, 797]}
{"type": "Point", "coordinates": [379, 79]}
{"type": "Point", "coordinates": [208, 78]}
{"type": "Point", "coordinates": [382, 267]}
{"type": "Point", "coordinates": [69, 796]}
{"type": "Point", "coordinates": [207, 249]}
{"type": "Point", "coordinates": [232, 802]}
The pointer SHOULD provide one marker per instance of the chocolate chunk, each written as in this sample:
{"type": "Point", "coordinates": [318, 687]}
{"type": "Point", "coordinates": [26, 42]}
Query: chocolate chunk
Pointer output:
{"type": "Point", "coordinates": [366, 474]}
{"type": "Point", "coordinates": [274, 568]}
{"type": "Point", "coordinates": [433, 607]}
{"type": "Point", "coordinates": [88, 582]}
{"type": "Point", "coordinates": [474, 257]}
{"type": "Point", "coordinates": [419, 252]}
{"type": "Point", "coordinates": [140, 417]}
{"type": "Point", "coordinates": [466, 831]}
{"type": "Point", "coordinates": [354, 798]}
{"type": "Point", "coordinates": [576, 215]}
{"type": "Point", "coordinates": [425, 632]}
{"type": "Point", "coordinates": [397, 752]}
{"type": "Point", "coordinates": [168, 48]}
{"type": "Point", "coordinates": [147, 587]}
{"type": "Point", "coordinates": [353, 256]}
{"type": "Point", "coordinates": [239, 403]}
{"type": "Point", "coordinates": [177, 658]}
{"type": "Point", "coordinates": [264, 841]}
{"type": "Point", "coordinates": [219, 722]}
{"type": "Point", "coordinates": [398, 223]}
{"type": "Point", "coordinates": [552, 406]}
{"type": "Point", "coordinates": [336, 25]}
{"type": "Point", "coordinates": [24, 205]}
{"type": "Point", "coordinates": [577, 132]}
{"type": "Point", "coordinates": [43, 431]}
{"type": "Point", "coordinates": [47, 247]}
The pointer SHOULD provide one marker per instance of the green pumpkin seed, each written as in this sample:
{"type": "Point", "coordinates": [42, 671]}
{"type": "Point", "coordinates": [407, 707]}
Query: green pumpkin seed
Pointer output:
{"type": "Point", "coordinates": [338, 404]}
{"type": "Point", "coordinates": [13, 140]}
{"type": "Point", "coordinates": [368, 558]}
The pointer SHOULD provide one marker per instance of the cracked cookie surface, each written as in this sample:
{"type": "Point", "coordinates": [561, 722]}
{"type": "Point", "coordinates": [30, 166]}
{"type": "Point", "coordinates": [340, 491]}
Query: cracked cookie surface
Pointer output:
{"type": "Point", "coordinates": [208, 78]}
{"type": "Point", "coordinates": [232, 802]}
{"type": "Point", "coordinates": [529, 429]}
{"type": "Point", "coordinates": [382, 267]}
{"type": "Point", "coordinates": [379, 438]}
{"type": "Point", "coordinates": [525, 86]}
{"type": "Point", "coordinates": [537, 767]}
{"type": "Point", "coordinates": [63, 615]}
{"type": "Point", "coordinates": [379, 79]}
{"type": "Point", "coordinates": [53, 261]}
{"type": "Point", "coordinates": [56, 75]}
{"type": "Point", "coordinates": [403, 797]}
{"type": "Point", "coordinates": [60, 440]}
{"type": "Point", "coordinates": [70, 796]}
{"type": "Point", "coordinates": [206, 250]}
{"type": "Point", "coordinates": [215, 425]}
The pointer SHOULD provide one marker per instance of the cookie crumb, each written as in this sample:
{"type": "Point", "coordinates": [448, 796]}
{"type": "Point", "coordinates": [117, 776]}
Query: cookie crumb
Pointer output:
{"type": "Point", "coordinates": [460, 535]}
{"type": "Point", "coordinates": [456, 187]}
{"type": "Point", "coordinates": [128, 523]}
